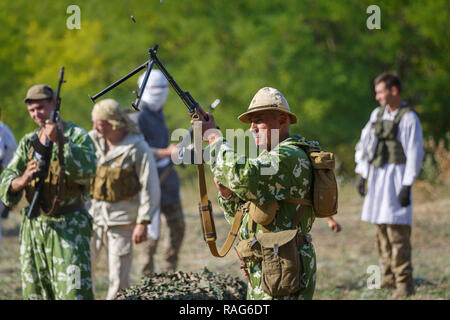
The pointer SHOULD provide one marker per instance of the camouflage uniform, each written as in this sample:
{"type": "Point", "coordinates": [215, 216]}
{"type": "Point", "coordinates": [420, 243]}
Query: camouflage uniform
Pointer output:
{"type": "Point", "coordinates": [54, 251]}
{"type": "Point", "coordinates": [246, 179]}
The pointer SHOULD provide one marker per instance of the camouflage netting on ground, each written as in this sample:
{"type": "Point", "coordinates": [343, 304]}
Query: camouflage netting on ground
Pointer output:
{"type": "Point", "coordinates": [179, 285]}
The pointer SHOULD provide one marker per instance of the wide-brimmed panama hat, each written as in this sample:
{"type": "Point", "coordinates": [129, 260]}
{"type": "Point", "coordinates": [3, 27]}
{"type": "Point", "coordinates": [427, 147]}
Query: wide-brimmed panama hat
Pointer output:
{"type": "Point", "coordinates": [271, 99]}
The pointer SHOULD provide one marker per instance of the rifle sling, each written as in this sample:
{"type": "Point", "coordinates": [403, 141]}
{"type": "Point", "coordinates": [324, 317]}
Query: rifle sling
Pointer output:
{"type": "Point", "coordinates": [206, 216]}
{"type": "Point", "coordinates": [207, 220]}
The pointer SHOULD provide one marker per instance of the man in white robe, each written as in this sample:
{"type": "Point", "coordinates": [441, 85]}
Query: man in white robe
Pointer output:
{"type": "Point", "coordinates": [8, 145]}
{"type": "Point", "coordinates": [390, 171]}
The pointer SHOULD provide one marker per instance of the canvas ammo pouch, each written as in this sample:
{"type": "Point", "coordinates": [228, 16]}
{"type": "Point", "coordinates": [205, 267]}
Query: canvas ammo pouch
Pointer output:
{"type": "Point", "coordinates": [279, 257]}
{"type": "Point", "coordinates": [114, 184]}
{"type": "Point", "coordinates": [249, 250]}
{"type": "Point", "coordinates": [324, 190]}
{"type": "Point", "coordinates": [69, 188]}
{"type": "Point", "coordinates": [280, 262]}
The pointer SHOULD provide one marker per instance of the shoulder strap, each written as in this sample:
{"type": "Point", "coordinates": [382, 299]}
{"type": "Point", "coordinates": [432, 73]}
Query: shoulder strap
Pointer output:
{"type": "Point", "coordinates": [207, 219]}
{"type": "Point", "coordinates": [380, 113]}
{"type": "Point", "coordinates": [401, 112]}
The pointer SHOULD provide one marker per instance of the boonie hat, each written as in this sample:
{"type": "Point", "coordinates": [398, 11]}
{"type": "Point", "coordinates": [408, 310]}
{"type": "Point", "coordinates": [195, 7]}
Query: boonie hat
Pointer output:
{"type": "Point", "coordinates": [268, 98]}
{"type": "Point", "coordinates": [38, 92]}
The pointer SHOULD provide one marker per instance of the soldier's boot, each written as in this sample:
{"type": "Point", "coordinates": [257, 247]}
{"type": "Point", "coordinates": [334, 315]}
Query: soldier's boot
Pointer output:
{"type": "Point", "coordinates": [146, 258]}
{"type": "Point", "coordinates": [403, 290]}
{"type": "Point", "coordinates": [171, 260]}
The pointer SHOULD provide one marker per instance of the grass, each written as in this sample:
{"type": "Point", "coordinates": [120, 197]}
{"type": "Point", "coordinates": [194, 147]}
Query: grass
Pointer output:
{"type": "Point", "coordinates": [342, 259]}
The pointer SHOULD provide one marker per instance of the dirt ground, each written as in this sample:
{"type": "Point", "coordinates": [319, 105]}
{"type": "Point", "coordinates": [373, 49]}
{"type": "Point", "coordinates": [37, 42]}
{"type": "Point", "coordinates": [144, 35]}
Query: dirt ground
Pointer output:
{"type": "Point", "coordinates": [343, 259]}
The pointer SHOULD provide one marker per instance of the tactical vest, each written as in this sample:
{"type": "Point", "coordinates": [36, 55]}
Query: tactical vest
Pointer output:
{"type": "Point", "coordinates": [68, 189]}
{"type": "Point", "coordinates": [388, 149]}
{"type": "Point", "coordinates": [114, 184]}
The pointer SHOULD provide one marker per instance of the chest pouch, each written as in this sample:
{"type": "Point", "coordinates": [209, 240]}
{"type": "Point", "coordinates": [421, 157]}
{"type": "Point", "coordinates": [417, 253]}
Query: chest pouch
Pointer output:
{"type": "Point", "coordinates": [114, 184]}
{"type": "Point", "coordinates": [249, 250]}
{"type": "Point", "coordinates": [64, 188]}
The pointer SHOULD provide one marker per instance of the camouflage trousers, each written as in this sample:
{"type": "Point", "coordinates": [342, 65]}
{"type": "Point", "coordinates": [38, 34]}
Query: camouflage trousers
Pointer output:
{"type": "Point", "coordinates": [307, 282]}
{"type": "Point", "coordinates": [394, 248]}
{"type": "Point", "coordinates": [173, 214]}
{"type": "Point", "coordinates": [55, 258]}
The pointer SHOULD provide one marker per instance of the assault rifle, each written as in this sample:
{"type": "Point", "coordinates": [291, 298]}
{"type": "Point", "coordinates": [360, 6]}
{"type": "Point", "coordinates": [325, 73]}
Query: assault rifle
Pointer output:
{"type": "Point", "coordinates": [44, 152]}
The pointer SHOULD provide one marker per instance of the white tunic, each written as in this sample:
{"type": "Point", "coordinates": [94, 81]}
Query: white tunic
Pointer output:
{"type": "Point", "coordinates": [8, 145]}
{"type": "Point", "coordinates": [384, 183]}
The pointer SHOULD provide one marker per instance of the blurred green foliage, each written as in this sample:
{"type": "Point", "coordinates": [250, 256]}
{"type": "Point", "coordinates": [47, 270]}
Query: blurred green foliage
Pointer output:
{"type": "Point", "coordinates": [318, 53]}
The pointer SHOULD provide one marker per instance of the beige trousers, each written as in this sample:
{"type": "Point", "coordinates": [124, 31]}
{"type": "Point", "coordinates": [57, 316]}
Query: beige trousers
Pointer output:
{"type": "Point", "coordinates": [394, 247]}
{"type": "Point", "coordinates": [117, 241]}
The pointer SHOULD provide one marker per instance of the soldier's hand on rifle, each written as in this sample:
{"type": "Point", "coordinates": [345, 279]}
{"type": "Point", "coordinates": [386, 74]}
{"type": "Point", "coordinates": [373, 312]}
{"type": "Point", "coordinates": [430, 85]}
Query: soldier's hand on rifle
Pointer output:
{"type": "Point", "coordinates": [139, 233]}
{"type": "Point", "coordinates": [209, 128]}
{"type": "Point", "coordinates": [21, 182]}
{"type": "Point", "coordinates": [224, 191]}
{"type": "Point", "coordinates": [50, 132]}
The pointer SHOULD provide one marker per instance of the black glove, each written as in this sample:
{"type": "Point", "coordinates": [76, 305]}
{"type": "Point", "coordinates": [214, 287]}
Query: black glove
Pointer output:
{"type": "Point", "coordinates": [404, 197]}
{"type": "Point", "coordinates": [361, 187]}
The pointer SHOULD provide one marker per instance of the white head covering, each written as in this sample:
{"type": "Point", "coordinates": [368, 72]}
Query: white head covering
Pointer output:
{"type": "Point", "coordinates": [155, 93]}
{"type": "Point", "coordinates": [110, 110]}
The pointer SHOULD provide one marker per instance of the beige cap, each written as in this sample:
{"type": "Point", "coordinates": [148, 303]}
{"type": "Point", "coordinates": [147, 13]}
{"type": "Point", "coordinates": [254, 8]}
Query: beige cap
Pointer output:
{"type": "Point", "coordinates": [268, 98]}
{"type": "Point", "coordinates": [110, 110]}
{"type": "Point", "coordinates": [38, 92]}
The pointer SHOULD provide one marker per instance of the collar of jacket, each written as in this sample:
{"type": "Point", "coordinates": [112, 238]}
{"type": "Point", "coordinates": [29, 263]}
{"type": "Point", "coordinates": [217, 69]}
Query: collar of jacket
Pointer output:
{"type": "Point", "coordinates": [130, 140]}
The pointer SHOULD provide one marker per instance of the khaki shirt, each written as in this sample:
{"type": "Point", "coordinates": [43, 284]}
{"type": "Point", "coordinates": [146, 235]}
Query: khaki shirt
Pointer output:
{"type": "Point", "coordinates": [133, 150]}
